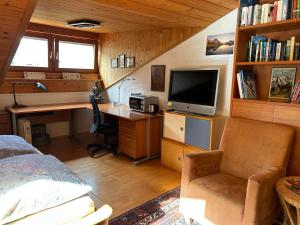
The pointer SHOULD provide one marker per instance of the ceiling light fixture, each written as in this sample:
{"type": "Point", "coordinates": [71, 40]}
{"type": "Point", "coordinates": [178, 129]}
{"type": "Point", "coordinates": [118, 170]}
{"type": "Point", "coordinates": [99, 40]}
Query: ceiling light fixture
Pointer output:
{"type": "Point", "coordinates": [83, 23]}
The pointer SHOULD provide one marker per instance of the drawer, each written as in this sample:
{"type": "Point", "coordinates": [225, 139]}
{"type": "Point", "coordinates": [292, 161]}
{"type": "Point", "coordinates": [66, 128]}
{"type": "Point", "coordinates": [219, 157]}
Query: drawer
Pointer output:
{"type": "Point", "coordinates": [5, 128]}
{"type": "Point", "coordinates": [174, 127]}
{"type": "Point", "coordinates": [198, 132]}
{"type": "Point", "coordinates": [127, 145]}
{"type": "Point", "coordinates": [172, 155]}
{"type": "Point", "coordinates": [4, 118]}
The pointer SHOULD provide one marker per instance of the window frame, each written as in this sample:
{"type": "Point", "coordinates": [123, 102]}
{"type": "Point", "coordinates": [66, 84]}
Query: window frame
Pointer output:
{"type": "Point", "coordinates": [75, 40]}
{"type": "Point", "coordinates": [50, 67]}
{"type": "Point", "coordinates": [53, 53]}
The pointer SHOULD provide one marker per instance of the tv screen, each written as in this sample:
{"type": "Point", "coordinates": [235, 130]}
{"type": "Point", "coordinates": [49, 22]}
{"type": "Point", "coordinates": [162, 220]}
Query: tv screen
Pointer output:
{"type": "Point", "coordinates": [193, 86]}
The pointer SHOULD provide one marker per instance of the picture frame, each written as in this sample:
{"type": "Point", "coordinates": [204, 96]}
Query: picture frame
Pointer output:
{"type": "Point", "coordinates": [281, 84]}
{"type": "Point", "coordinates": [114, 63]}
{"type": "Point", "coordinates": [158, 73]}
{"type": "Point", "coordinates": [130, 62]}
{"type": "Point", "coordinates": [122, 60]}
{"type": "Point", "coordinates": [220, 44]}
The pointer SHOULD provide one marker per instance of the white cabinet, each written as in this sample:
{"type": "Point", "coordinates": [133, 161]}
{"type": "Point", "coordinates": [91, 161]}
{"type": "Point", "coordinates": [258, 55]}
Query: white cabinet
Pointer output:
{"type": "Point", "coordinates": [174, 127]}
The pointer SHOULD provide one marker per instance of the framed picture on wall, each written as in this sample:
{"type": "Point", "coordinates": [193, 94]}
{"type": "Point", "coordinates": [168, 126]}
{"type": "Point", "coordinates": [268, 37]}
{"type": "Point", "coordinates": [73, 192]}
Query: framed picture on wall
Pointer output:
{"type": "Point", "coordinates": [220, 44]}
{"type": "Point", "coordinates": [122, 61]}
{"type": "Point", "coordinates": [130, 62]}
{"type": "Point", "coordinates": [281, 84]}
{"type": "Point", "coordinates": [158, 78]}
{"type": "Point", "coordinates": [114, 63]}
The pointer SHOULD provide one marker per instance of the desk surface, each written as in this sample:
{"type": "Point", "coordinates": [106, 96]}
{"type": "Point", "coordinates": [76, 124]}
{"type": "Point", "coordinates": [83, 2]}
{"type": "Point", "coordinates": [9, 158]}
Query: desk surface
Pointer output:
{"type": "Point", "coordinates": [122, 111]}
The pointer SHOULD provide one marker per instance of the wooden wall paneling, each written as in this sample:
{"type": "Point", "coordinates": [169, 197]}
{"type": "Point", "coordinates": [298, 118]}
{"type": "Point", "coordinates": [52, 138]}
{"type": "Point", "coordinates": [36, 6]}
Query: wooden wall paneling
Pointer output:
{"type": "Point", "coordinates": [14, 19]}
{"type": "Point", "coordinates": [53, 85]}
{"type": "Point", "coordinates": [145, 46]}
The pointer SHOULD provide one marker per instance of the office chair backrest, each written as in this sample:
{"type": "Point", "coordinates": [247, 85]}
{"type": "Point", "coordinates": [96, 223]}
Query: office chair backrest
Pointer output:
{"type": "Point", "coordinates": [96, 115]}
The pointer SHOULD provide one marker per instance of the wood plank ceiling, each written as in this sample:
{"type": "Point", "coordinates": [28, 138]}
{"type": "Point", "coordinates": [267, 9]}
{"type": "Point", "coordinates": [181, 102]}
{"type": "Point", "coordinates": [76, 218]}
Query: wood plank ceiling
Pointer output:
{"type": "Point", "coordinates": [133, 15]}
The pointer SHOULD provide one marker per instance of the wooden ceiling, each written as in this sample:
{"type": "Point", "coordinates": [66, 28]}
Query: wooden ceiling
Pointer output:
{"type": "Point", "coordinates": [133, 15]}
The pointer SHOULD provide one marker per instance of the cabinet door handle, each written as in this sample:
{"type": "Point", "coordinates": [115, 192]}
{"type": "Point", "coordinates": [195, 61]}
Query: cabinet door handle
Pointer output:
{"type": "Point", "coordinates": [181, 128]}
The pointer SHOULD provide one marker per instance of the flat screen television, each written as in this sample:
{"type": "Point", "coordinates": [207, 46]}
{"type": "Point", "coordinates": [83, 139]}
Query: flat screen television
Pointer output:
{"type": "Point", "coordinates": [194, 90]}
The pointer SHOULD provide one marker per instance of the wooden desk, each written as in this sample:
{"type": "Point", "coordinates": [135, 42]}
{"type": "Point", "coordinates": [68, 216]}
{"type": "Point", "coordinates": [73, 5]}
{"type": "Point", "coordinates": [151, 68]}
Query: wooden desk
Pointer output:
{"type": "Point", "coordinates": [139, 133]}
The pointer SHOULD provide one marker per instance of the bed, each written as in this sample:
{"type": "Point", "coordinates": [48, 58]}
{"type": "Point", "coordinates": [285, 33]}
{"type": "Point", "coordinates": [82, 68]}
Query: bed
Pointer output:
{"type": "Point", "coordinates": [38, 188]}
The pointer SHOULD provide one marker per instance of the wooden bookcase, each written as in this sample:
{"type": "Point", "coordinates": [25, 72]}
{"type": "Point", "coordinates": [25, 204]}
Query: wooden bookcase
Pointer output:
{"type": "Point", "coordinates": [262, 108]}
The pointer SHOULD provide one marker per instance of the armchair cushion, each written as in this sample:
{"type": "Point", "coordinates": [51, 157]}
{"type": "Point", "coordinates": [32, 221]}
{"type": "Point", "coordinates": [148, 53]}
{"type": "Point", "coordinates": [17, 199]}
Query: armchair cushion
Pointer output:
{"type": "Point", "coordinates": [211, 199]}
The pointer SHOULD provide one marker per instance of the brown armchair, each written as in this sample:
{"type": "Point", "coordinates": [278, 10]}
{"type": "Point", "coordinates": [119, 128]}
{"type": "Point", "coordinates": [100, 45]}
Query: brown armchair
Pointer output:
{"type": "Point", "coordinates": [235, 185]}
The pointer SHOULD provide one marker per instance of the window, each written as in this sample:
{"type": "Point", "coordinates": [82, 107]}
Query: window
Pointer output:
{"type": "Point", "coordinates": [37, 48]}
{"type": "Point", "coordinates": [51, 52]}
{"type": "Point", "coordinates": [73, 55]}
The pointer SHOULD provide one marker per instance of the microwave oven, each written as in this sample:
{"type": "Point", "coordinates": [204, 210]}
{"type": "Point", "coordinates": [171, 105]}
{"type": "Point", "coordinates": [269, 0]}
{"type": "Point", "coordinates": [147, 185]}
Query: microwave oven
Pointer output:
{"type": "Point", "coordinates": [141, 103]}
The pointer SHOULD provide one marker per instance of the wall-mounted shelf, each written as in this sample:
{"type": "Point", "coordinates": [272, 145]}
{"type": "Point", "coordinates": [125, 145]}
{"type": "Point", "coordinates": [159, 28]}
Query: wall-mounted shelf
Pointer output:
{"type": "Point", "coordinates": [275, 26]}
{"type": "Point", "coordinates": [268, 63]}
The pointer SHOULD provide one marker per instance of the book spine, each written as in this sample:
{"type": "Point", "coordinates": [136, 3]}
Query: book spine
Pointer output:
{"type": "Point", "coordinates": [250, 14]}
{"type": "Point", "coordinates": [296, 51]}
{"type": "Point", "coordinates": [283, 51]}
{"type": "Point", "coordinates": [250, 49]}
{"type": "Point", "coordinates": [275, 11]}
{"type": "Point", "coordinates": [257, 14]}
{"type": "Point", "coordinates": [285, 9]}
{"type": "Point", "coordinates": [292, 96]}
{"type": "Point", "coordinates": [269, 13]}
{"type": "Point", "coordinates": [288, 50]}
{"type": "Point", "coordinates": [262, 17]}
{"type": "Point", "coordinates": [257, 52]}
{"type": "Point", "coordinates": [278, 51]}
{"type": "Point", "coordinates": [267, 50]}
{"type": "Point", "coordinates": [298, 9]}
{"type": "Point", "coordinates": [279, 10]}
{"type": "Point", "coordinates": [296, 94]}
{"type": "Point", "coordinates": [292, 47]}
{"type": "Point", "coordinates": [239, 85]}
{"type": "Point", "coordinates": [244, 16]}
{"type": "Point", "coordinates": [294, 12]}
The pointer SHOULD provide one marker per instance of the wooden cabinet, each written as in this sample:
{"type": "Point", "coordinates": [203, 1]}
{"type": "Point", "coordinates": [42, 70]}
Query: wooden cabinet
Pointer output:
{"type": "Point", "coordinates": [136, 136]}
{"type": "Point", "coordinates": [174, 126]}
{"type": "Point", "coordinates": [5, 124]}
{"type": "Point", "coordinates": [199, 134]}
{"type": "Point", "coordinates": [172, 154]}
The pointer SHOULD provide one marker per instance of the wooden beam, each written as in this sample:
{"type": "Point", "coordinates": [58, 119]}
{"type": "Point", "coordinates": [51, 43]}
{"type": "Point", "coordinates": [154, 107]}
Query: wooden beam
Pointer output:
{"type": "Point", "coordinates": [14, 17]}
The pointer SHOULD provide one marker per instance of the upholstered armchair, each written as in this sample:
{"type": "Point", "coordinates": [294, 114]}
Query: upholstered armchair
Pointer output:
{"type": "Point", "coordinates": [235, 185]}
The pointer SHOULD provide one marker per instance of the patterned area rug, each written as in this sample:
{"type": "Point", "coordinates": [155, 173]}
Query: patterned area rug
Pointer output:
{"type": "Point", "coordinates": [163, 210]}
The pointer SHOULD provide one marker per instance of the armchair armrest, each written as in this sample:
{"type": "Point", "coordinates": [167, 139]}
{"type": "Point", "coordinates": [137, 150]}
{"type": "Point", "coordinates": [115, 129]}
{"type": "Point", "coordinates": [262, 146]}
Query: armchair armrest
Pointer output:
{"type": "Point", "coordinates": [199, 165]}
{"type": "Point", "coordinates": [261, 198]}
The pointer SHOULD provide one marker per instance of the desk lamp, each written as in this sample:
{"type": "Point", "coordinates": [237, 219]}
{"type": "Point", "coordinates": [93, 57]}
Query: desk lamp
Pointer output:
{"type": "Point", "coordinates": [119, 89]}
{"type": "Point", "coordinates": [37, 85]}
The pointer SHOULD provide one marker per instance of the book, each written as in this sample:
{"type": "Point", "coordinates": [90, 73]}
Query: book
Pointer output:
{"type": "Point", "coordinates": [292, 47]}
{"type": "Point", "coordinates": [279, 10]}
{"type": "Point", "coordinates": [278, 51]}
{"type": "Point", "coordinates": [239, 82]}
{"type": "Point", "coordinates": [257, 14]}
{"type": "Point", "coordinates": [248, 84]}
{"type": "Point", "coordinates": [244, 16]}
{"type": "Point", "coordinates": [263, 12]}
{"type": "Point", "coordinates": [285, 9]}
{"type": "Point", "coordinates": [269, 13]}
{"type": "Point", "coordinates": [275, 11]}
{"type": "Point", "coordinates": [298, 9]}
{"type": "Point", "coordinates": [250, 15]}
{"type": "Point", "coordinates": [294, 9]}
{"type": "Point", "coordinates": [297, 51]}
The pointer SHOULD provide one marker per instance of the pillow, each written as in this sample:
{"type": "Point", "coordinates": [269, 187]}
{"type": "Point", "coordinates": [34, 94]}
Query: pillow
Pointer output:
{"type": "Point", "coordinates": [34, 182]}
{"type": "Point", "coordinates": [11, 145]}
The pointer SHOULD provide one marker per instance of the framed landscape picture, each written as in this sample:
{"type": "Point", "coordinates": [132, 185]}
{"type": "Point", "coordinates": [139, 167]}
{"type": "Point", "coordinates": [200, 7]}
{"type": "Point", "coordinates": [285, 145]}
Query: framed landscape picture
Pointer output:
{"type": "Point", "coordinates": [281, 84]}
{"type": "Point", "coordinates": [221, 44]}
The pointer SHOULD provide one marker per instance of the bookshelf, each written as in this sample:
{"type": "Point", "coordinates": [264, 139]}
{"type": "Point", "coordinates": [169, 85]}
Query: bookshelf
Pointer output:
{"type": "Point", "coordinates": [262, 108]}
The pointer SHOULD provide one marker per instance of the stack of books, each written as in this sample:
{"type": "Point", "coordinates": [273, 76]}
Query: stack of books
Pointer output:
{"type": "Point", "coordinates": [293, 185]}
{"type": "Point", "coordinates": [253, 14]}
{"type": "Point", "coordinates": [263, 49]}
{"type": "Point", "coordinates": [246, 84]}
{"type": "Point", "coordinates": [295, 95]}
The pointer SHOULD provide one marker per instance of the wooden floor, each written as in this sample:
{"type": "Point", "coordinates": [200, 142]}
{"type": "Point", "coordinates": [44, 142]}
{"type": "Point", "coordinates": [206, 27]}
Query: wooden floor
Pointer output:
{"type": "Point", "coordinates": [114, 179]}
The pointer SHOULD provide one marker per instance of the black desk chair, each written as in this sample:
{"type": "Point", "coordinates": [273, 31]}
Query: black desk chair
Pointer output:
{"type": "Point", "coordinates": [98, 127]}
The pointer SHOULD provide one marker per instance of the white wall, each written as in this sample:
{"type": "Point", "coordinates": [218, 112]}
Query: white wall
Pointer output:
{"type": "Point", "coordinates": [84, 117]}
{"type": "Point", "coordinates": [190, 53]}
